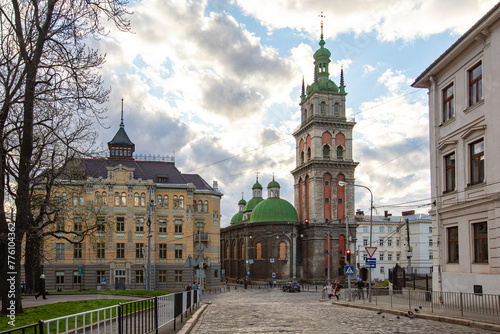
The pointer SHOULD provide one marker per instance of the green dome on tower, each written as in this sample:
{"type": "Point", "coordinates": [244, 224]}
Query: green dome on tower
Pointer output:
{"type": "Point", "coordinates": [257, 185]}
{"type": "Point", "coordinates": [242, 202]}
{"type": "Point", "coordinates": [322, 52]}
{"type": "Point", "coordinates": [252, 203]}
{"type": "Point", "coordinates": [274, 209]}
{"type": "Point", "coordinates": [273, 184]}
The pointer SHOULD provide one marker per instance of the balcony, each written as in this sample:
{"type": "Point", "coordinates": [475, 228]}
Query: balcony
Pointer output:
{"type": "Point", "coordinates": [203, 237]}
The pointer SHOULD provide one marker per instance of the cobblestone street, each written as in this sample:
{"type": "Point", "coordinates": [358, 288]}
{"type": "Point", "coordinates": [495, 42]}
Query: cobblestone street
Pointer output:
{"type": "Point", "coordinates": [274, 311]}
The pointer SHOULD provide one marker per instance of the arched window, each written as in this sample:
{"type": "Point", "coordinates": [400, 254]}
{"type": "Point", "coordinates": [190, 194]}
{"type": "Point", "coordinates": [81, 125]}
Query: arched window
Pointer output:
{"type": "Point", "coordinates": [181, 202]}
{"type": "Point", "coordinates": [158, 202]}
{"type": "Point", "coordinates": [326, 151]}
{"type": "Point", "coordinates": [308, 153]}
{"type": "Point", "coordinates": [176, 202]}
{"type": "Point", "coordinates": [305, 114]}
{"type": "Point", "coordinates": [258, 249]}
{"type": "Point", "coordinates": [336, 109]}
{"type": "Point", "coordinates": [136, 199]}
{"type": "Point", "coordinates": [57, 199]}
{"type": "Point", "coordinates": [104, 198]}
{"type": "Point", "coordinates": [97, 198]}
{"type": "Point", "coordinates": [282, 255]}
{"type": "Point", "coordinates": [82, 200]}
{"type": "Point", "coordinates": [165, 202]}
{"type": "Point", "coordinates": [117, 199]}
{"type": "Point", "coordinates": [75, 199]}
{"type": "Point", "coordinates": [340, 153]}
{"type": "Point", "coordinates": [312, 110]}
{"type": "Point", "coordinates": [200, 207]}
{"type": "Point", "coordinates": [205, 207]}
{"type": "Point", "coordinates": [302, 157]}
{"type": "Point", "coordinates": [124, 199]}
{"type": "Point", "coordinates": [323, 108]}
{"type": "Point", "coordinates": [143, 199]}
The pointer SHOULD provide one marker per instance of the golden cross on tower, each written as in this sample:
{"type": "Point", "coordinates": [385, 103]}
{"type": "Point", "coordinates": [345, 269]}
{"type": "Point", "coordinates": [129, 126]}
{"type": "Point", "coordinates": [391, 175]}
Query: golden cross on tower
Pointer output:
{"type": "Point", "coordinates": [322, 16]}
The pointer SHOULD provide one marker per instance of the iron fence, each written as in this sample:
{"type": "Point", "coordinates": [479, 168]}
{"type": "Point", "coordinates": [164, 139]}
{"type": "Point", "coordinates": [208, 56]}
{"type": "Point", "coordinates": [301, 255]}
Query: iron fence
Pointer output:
{"type": "Point", "coordinates": [136, 317]}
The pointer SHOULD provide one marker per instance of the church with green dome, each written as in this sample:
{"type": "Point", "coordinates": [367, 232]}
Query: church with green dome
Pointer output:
{"type": "Point", "coordinates": [271, 239]}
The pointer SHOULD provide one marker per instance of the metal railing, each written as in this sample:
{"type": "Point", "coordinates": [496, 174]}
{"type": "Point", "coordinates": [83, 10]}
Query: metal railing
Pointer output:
{"type": "Point", "coordinates": [428, 301]}
{"type": "Point", "coordinates": [137, 317]}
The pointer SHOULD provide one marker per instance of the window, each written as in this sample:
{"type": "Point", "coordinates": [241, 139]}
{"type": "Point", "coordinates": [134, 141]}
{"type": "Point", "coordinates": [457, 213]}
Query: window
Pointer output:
{"type": "Point", "coordinates": [477, 162]}
{"type": "Point", "coordinates": [389, 229]}
{"type": "Point", "coordinates": [162, 276]}
{"type": "Point", "coordinates": [139, 225]}
{"type": "Point", "coordinates": [75, 199]}
{"type": "Point", "coordinates": [82, 200]}
{"type": "Point", "coordinates": [97, 198]}
{"type": "Point", "coordinates": [101, 224]}
{"type": "Point", "coordinates": [381, 256]}
{"type": "Point", "coordinates": [60, 224]}
{"type": "Point", "coordinates": [162, 226]}
{"type": "Point", "coordinates": [382, 270]}
{"type": "Point", "coordinates": [120, 224]}
{"type": "Point", "coordinates": [100, 249]}
{"type": "Point", "coordinates": [431, 256]}
{"type": "Point", "coordinates": [398, 256]}
{"type": "Point", "coordinates": [480, 242]}
{"type": "Point", "coordinates": [163, 251]}
{"type": "Point", "coordinates": [59, 251]}
{"type": "Point", "coordinates": [77, 251]}
{"type": "Point", "coordinates": [200, 207]}
{"type": "Point", "coordinates": [158, 202]}
{"type": "Point", "coordinates": [143, 199]}
{"type": "Point", "coordinates": [176, 203]}
{"type": "Point", "coordinates": [77, 279]}
{"type": "Point", "coordinates": [430, 242]}
{"type": "Point", "coordinates": [181, 202]}
{"type": "Point", "coordinates": [452, 244]}
{"type": "Point", "coordinates": [178, 227]}
{"type": "Point", "coordinates": [64, 198]}
{"type": "Point", "coordinates": [205, 207]}
{"type": "Point", "coordinates": [178, 276]}
{"type": "Point", "coordinates": [77, 225]}
{"type": "Point", "coordinates": [136, 199]}
{"type": "Point", "coordinates": [178, 251]}
{"type": "Point", "coordinates": [139, 277]}
{"type": "Point", "coordinates": [389, 257]}
{"type": "Point", "coordinates": [124, 199]}
{"type": "Point", "coordinates": [381, 229]}
{"type": "Point", "coordinates": [59, 277]}
{"type": "Point", "coordinates": [365, 229]}
{"type": "Point", "coordinates": [323, 108]}
{"type": "Point", "coordinates": [389, 242]}
{"type": "Point", "coordinates": [381, 242]}
{"type": "Point", "coordinates": [104, 198]}
{"type": "Point", "coordinates": [117, 199]}
{"type": "Point", "coordinates": [120, 250]}
{"type": "Point", "coordinates": [365, 256]}
{"type": "Point", "coordinates": [365, 242]}
{"type": "Point", "coordinates": [326, 151]}
{"type": "Point", "coordinates": [100, 274]}
{"type": "Point", "coordinates": [340, 152]}
{"type": "Point", "coordinates": [165, 202]}
{"type": "Point", "coordinates": [475, 84]}
{"type": "Point", "coordinates": [430, 229]}
{"type": "Point", "coordinates": [139, 250]}
{"type": "Point", "coordinates": [449, 165]}
{"type": "Point", "coordinates": [448, 109]}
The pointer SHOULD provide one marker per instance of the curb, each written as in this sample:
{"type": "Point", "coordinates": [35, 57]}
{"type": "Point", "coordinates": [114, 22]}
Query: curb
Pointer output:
{"type": "Point", "coordinates": [186, 329]}
{"type": "Point", "coordinates": [440, 318]}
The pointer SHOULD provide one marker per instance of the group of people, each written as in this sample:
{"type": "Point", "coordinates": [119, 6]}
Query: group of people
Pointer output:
{"type": "Point", "coordinates": [193, 286]}
{"type": "Point", "coordinates": [333, 290]}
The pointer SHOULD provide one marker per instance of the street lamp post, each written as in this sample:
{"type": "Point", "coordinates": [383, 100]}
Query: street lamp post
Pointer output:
{"type": "Point", "coordinates": [342, 184]}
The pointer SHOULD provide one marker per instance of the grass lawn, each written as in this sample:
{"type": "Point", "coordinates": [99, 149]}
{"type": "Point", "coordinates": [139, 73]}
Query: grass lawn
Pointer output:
{"type": "Point", "coordinates": [140, 293]}
{"type": "Point", "coordinates": [50, 311]}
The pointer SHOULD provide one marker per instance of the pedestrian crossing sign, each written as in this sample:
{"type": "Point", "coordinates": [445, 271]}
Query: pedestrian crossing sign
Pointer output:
{"type": "Point", "coordinates": [349, 270]}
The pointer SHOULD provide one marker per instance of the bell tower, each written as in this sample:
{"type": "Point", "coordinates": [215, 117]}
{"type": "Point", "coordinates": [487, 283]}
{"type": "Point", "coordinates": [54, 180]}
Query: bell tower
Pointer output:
{"type": "Point", "coordinates": [323, 147]}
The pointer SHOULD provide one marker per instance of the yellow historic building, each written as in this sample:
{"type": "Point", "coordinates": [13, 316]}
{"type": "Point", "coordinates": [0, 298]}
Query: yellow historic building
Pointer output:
{"type": "Point", "coordinates": [109, 203]}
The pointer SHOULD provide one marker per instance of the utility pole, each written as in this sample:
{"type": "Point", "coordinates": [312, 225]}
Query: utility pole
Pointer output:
{"type": "Point", "coordinates": [150, 208]}
{"type": "Point", "coordinates": [409, 250]}
{"type": "Point", "coordinates": [348, 257]}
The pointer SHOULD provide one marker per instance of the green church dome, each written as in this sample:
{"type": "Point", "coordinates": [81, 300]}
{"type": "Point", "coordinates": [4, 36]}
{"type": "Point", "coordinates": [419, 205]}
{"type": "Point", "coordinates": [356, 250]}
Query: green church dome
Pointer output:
{"type": "Point", "coordinates": [237, 218]}
{"type": "Point", "coordinates": [257, 185]}
{"type": "Point", "coordinates": [273, 184]}
{"type": "Point", "coordinates": [242, 202]}
{"type": "Point", "coordinates": [274, 210]}
{"type": "Point", "coordinates": [252, 203]}
{"type": "Point", "coordinates": [322, 52]}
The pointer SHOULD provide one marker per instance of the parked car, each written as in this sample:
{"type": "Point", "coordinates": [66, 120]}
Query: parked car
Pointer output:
{"type": "Point", "coordinates": [292, 287]}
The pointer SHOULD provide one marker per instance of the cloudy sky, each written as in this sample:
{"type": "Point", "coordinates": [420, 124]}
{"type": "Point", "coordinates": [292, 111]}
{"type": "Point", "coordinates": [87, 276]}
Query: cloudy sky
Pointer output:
{"type": "Point", "coordinates": [218, 84]}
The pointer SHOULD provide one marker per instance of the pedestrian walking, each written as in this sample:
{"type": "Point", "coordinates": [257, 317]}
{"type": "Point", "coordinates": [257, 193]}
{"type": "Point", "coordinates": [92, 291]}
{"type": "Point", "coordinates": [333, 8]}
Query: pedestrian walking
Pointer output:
{"type": "Point", "coordinates": [329, 290]}
{"type": "Point", "coordinates": [360, 285]}
{"type": "Point", "coordinates": [336, 288]}
{"type": "Point", "coordinates": [41, 287]}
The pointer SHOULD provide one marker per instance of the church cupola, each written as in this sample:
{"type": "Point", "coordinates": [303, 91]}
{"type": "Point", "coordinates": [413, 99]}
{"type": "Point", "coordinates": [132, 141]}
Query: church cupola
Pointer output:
{"type": "Point", "coordinates": [242, 204]}
{"type": "Point", "coordinates": [273, 189]}
{"type": "Point", "coordinates": [121, 147]}
{"type": "Point", "coordinates": [257, 189]}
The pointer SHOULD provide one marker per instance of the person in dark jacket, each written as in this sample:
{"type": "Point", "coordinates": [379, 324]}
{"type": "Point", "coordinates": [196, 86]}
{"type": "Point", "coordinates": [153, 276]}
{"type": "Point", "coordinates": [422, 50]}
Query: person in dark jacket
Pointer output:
{"type": "Point", "coordinates": [41, 287]}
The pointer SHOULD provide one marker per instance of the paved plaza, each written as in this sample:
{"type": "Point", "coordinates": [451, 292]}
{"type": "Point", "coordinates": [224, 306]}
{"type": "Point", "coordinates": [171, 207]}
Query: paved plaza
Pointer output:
{"type": "Point", "coordinates": [274, 311]}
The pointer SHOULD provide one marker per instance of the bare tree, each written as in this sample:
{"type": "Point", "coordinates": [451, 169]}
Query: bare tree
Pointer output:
{"type": "Point", "coordinates": [46, 69]}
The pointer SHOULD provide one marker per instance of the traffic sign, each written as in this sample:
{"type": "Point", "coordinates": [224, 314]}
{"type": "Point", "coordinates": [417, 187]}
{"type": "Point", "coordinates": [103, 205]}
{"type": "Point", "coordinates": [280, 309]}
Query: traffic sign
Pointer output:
{"type": "Point", "coordinates": [349, 270]}
{"type": "Point", "coordinates": [271, 260]}
{"type": "Point", "coordinates": [248, 273]}
{"type": "Point", "coordinates": [190, 262]}
{"type": "Point", "coordinates": [274, 275]}
{"type": "Point", "coordinates": [371, 251]}
{"type": "Point", "coordinates": [370, 262]}
{"type": "Point", "coordinates": [103, 280]}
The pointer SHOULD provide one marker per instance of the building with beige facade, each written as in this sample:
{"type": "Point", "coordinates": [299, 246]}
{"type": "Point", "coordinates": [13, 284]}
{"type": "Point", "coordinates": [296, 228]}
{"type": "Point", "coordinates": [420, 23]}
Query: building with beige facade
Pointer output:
{"type": "Point", "coordinates": [465, 178]}
{"type": "Point", "coordinates": [126, 196]}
